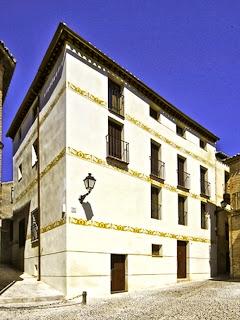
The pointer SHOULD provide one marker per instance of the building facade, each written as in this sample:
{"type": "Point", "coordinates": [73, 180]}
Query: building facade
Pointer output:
{"type": "Point", "coordinates": [150, 219]}
{"type": "Point", "coordinates": [7, 66]}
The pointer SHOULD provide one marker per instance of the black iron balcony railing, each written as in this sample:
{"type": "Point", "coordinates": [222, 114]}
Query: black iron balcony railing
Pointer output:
{"type": "Point", "coordinates": [157, 168]}
{"type": "Point", "coordinates": [156, 211]}
{"type": "Point", "coordinates": [182, 218]}
{"type": "Point", "coordinates": [116, 104]}
{"type": "Point", "coordinates": [117, 148]}
{"type": "Point", "coordinates": [183, 179]}
{"type": "Point", "coordinates": [205, 188]}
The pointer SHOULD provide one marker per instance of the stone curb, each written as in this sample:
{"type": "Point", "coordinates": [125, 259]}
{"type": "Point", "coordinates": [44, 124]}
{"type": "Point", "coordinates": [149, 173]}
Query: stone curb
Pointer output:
{"type": "Point", "coordinates": [3, 301]}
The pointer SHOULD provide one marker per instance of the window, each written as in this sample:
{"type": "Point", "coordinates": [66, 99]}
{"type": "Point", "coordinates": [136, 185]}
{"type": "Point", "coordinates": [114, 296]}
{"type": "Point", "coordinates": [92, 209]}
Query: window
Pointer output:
{"type": "Point", "coordinates": [116, 147]}
{"type": "Point", "coordinates": [34, 225]}
{"type": "Point", "coordinates": [183, 176]}
{"type": "Point", "coordinates": [235, 201]}
{"type": "Point", "coordinates": [157, 250]}
{"type": "Point", "coordinates": [21, 233]}
{"type": "Point", "coordinates": [157, 166]}
{"type": "Point", "coordinates": [115, 98]}
{"type": "Point", "coordinates": [204, 184]}
{"type": "Point", "coordinates": [182, 210]}
{"type": "Point", "coordinates": [155, 203]}
{"type": "Point", "coordinates": [19, 172]}
{"type": "Point", "coordinates": [35, 153]}
{"type": "Point", "coordinates": [154, 113]}
{"type": "Point", "coordinates": [203, 144]}
{"type": "Point", "coordinates": [204, 216]}
{"type": "Point", "coordinates": [180, 131]}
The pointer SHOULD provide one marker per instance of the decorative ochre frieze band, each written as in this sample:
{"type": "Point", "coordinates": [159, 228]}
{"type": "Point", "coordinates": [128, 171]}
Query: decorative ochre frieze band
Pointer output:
{"type": "Point", "coordinates": [138, 123]}
{"type": "Point", "coordinates": [117, 227]}
{"type": "Point", "coordinates": [112, 226]}
{"type": "Point", "coordinates": [133, 173]}
{"type": "Point", "coordinates": [42, 174]}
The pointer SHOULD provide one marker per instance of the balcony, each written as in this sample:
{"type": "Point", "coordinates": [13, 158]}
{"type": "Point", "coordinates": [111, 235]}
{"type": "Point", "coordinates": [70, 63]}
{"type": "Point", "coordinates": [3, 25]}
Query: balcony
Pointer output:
{"type": "Point", "coordinates": [205, 188]}
{"type": "Point", "coordinates": [157, 169]}
{"type": "Point", "coordinates": [117, 149]}
{"type": "Point", "coordinates": [183, 180]}
{"type": "Point", "coordinates": [156, 211]}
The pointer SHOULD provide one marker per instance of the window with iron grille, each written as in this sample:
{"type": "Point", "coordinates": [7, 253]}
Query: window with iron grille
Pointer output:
{"type": "Point", "coordinates": [204, 216]}
{"type": "Point", "coordinates": [182, 210]}
{"type": "Point", "coordinates": [21, 233]}
{"type": "Point", "coordinates": [115, 98]}
{"type": "Point", "coordinates": [156, 203]}
{"type": "Point", "coordinates": [116, 147]}
{"type": "Point", "coordinates": [156, 250]}
{"type": "Point", "coordinates": [157, 166]}
{"type": "Point", "coordinates": [204, 184]}
{"type": "Point", "coordinates": [34, 225]}
{"type": "Point", "coordinates": [183, 176]}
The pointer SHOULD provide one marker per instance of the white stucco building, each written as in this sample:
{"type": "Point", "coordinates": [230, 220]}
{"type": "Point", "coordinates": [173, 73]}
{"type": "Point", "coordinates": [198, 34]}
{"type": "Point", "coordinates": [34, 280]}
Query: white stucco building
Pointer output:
{"type": "Point", "coordinates": [150, 219]}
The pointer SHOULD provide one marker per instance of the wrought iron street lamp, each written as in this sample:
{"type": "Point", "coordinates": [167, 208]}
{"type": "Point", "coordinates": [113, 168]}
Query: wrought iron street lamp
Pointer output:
{"type": "Point", "coordinates": [89, 183]}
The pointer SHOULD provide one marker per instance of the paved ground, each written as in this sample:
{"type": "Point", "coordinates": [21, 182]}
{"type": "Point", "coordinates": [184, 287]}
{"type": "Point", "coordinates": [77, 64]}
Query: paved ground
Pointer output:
{"type": "Point", "coordinates": [199, 300]}
{"type": "Point", "coordinates": [16, 286]}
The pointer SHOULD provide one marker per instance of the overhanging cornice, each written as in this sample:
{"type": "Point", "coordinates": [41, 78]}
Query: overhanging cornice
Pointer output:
{"type": "Point", "coordinates": [65, 35]}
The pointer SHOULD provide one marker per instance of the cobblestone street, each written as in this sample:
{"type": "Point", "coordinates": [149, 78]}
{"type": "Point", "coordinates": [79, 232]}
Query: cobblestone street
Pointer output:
{"type": "Point", "coordinates": [198, 300]}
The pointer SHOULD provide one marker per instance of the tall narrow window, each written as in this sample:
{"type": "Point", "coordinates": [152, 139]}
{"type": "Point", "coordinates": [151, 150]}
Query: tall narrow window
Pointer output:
{"type": "Point", "coordinates": [182, 210]}
{"type": "Point", "coordinates": [204, 216]}
{"type": "Point", "coordinates": [183, 176]}
{"type": "Point", "coordinates": [34, 225]}
{"type": "Point", "coordinates": [157, 166]}
{"type": "Point", "coordinates": [116, 147]}
{"type": "Point", "coordinates": [235, 201]}
{"type": "Point", "coordinates": [35, 153]}
{"type": "Point", "coordinates": [115, 98]}
{"type": "Point", "coordinates": [155, 203]}
{"type": "Point", "coordinates": [204, 184]}
{"type": "Point", "coordinates": [19, 172]}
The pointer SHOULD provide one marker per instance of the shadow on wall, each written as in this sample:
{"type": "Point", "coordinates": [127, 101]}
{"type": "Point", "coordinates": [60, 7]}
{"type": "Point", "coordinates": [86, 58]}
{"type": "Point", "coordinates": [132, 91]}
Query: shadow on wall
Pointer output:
{"type": "Point", "coordinates": [21, 220]}
{"type": "Point", "coordinates": [213, 239]}
{"type": "Point", "coordinates": [88, 210]}
{"type": "Point", "coordinates": [8, 277]}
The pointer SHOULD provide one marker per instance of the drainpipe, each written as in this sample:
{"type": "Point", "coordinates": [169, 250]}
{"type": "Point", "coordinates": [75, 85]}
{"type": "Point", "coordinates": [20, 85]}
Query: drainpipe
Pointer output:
{"type": "Point", "coordinates": [39, 189]}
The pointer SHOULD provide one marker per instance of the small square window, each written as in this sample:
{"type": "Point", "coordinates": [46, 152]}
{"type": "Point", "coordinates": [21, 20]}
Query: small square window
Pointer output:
{"type": "Point", "coordinates": [154, 113]}
{"type": "Point", "coordinates": [180, 131]}
{"type": "Point", "coordinates": [34, 153]}
{"type": "Point", "coordinates": [156, 250]}
{"type": "Point", "coordinates": [19, 172]}
{"type": "Point", "coordinates": [203, 144]}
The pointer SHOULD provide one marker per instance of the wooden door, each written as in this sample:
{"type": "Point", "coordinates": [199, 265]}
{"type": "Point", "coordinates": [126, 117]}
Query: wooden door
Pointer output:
{"type": "Point", "coordinates": [117, 272]}
{"type": "Point", "coordinates": [181, 259]}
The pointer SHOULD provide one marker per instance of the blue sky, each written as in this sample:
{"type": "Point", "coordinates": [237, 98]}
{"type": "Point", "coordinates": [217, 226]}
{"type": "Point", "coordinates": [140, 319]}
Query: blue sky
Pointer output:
{"type": "Point", "coordinates": [188, 51]}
